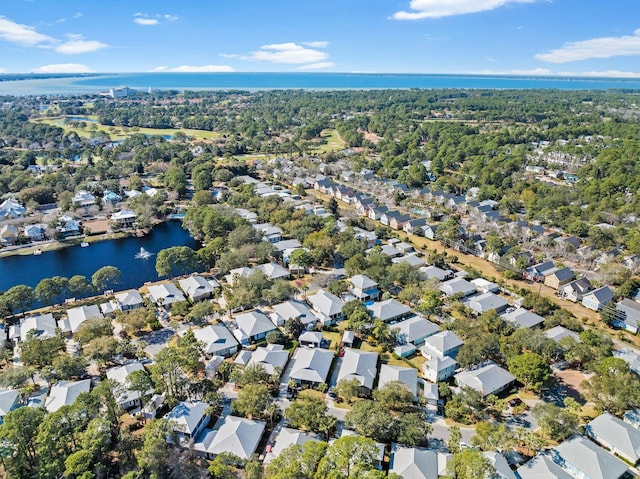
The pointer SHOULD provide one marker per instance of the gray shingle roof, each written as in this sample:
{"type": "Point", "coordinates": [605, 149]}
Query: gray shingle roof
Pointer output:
{"type": "Point", "coordinates": [611, 432]}
{"type": "Point", "coordinates": [542, 467]}
{"type": "Point", "coordinates": [592, 460]}
{"type": "Point", "coordinates": [360, 365]}
{"type": "Point", "coordinates": [486, 379]}
{"type": "Point", "coordinates": [311, 364]}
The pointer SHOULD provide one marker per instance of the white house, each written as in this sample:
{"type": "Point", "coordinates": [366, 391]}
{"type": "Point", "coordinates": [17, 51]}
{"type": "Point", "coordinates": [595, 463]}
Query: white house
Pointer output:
{"type": "Point", "coordinates": [252, 326]}
{"type": "Point", "coordinates": [11, 209]}
{"type": "Point", "coordinates": [129, 300]}
{"type": "Point", "coordinates": [457, 286]}
{"type": "Point", "coordinates": [125, 397]}
{"type": "Point", "coordinates": [65, 393]}
{"type": "Point", "coordinates": [487, 379]}
{"type": "Point", "coordinates": [586, 460]}
{"type": "Point", "coordinates": [42, 326]}
{"type": "Point", "coordinates": [77, 316]}
{"type": "Point", "coordinates": [197, 288]}
{"type": "Point", "coordinates": [272, 357]}
{"type": "Point", "coordinates": [389, 310]}
{"type": "Point", "coordinates": [442, 344]}
{"type": "Point", "coordinates": [165, 294]}
{"type": "Point", "coordinates": [616, 435]}
{"type": "Point", "coordinates": [328, 307]}
{"type": "Point", "coordinates": [598, 298]}
{"type": "Point", "coordinates": [291, 309]}
{"type": "Point", "coordinates": [189, 418]}
{"type": "Point", "coordinates": [438, 369]}
{"type": "Point", "coordinates": [359, 365]}
{"type": "Point", "coordinates": [288, 437]}
{"type": "Point", "coordinates": [83, 199]}
{"type": "Point", "coordinates": [415, 330]}
{"type": "Point", "coordinates": [523, 318]}
{"type": "Point", "coordinates": [364, 288]}
{"type": "Point", "coordinates": [236, 435]}
{"type": "Point", "coordinates": [405, 375]}
{"type": "Point", "coordinates": [311, 365]}
{"type": "Point", "coordinates": [124, 218]}
{"type": "Point", "coordinates": [217, 340]}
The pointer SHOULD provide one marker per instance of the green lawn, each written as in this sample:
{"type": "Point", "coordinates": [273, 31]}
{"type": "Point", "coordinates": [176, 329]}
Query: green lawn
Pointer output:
{"type": "Point", "coordinates": [119, 133]}
{"type": "Point", "coordinates": [331, 141]}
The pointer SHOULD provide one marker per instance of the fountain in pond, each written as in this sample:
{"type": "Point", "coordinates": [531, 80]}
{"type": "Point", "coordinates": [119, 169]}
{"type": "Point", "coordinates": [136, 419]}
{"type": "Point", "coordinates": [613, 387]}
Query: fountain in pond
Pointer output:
{"type": "Point", "coordinates": [143, 254]}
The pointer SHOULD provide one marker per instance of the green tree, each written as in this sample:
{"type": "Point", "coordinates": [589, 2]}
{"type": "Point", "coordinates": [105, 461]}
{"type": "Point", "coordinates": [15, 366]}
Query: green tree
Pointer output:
{"type": "Point", "coordinates": [253, 401]}
{"type": "Point", "coordinates": [105, 277]}
{"type": "Point", "coordinates": [614, 388]}
{"type": "Point", "coordinates": [347, 457]}
{"type": "Point", "coordinates": [297, 461]}
{"type": "Point", "coordinates": [154, 456]}
{"type": "Point", "coordinates": [79, 286]}
{"type": "Point", "coordinates": [310, 413]}
{"type": "Point", "coordinates": [556, 423]}
{"type": "Point", "coordinates": [469, 464]}
{"type": "Point", "coordinates": [455, 437]}
{"type": "Point", "coordinates": [176, 260]}
{"type": "Point", "coordinates": [530, 369]}
{"type": "Point", "coordinates": [17, 299]}
{"type": "Point", "coordinates": [395, 396]}
{"type": "Point", "coordinates": [18, 437]}
{"type": "Point", "coordinates": [347, 389]}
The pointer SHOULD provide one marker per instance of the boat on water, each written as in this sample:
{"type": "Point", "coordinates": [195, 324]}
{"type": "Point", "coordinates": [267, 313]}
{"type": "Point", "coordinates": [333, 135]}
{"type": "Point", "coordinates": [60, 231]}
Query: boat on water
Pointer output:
{"type": "Point", "coordinates": [84, 244]}
{"type": "Point", "coordinates": [143, 254]}
{"type": "Point", "coordinates": [37, 252]}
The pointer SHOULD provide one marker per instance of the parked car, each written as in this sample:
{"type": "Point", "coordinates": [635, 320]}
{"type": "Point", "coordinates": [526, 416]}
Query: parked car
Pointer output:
{"type": "Point", "coordinates": [514, 402]}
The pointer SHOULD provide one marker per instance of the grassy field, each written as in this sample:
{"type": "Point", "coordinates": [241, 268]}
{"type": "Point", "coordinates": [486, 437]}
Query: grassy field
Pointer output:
{"type": "Point", "coordinates": [120, 133]}
{"type": "Point", "coordinates": [332, 142]}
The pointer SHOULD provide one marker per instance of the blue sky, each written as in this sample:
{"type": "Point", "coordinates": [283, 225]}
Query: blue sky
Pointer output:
{"type": "Point", "coordinates": [546, 37]}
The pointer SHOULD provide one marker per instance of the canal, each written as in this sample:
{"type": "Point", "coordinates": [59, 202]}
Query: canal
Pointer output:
{"type": "Point", "coordinates": [121, 253]}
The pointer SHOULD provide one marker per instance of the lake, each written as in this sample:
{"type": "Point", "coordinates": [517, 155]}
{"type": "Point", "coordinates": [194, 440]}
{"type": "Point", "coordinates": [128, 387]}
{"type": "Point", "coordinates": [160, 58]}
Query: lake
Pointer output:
{"type": "Point", "coordinates": [74, 260]}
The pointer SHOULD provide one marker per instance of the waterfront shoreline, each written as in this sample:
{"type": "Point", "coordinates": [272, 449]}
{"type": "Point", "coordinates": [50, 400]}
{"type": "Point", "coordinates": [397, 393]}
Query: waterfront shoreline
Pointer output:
{"type": "Point", "coordinates": [55, 245]}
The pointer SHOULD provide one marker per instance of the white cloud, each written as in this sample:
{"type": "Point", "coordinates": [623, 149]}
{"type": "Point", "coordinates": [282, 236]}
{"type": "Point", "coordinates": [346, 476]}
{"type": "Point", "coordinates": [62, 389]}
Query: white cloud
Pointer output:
{"type": "Point", "coordinates": [602, 74]}
{"type": "Point", "coordinates": [195, 69]}
{"type": "Point", "coordinates": [290, 53]}
{"type": "Point", "coordinates": [316, 44]}
{"type": "Point", "coordinates": [317, 66]}
{"type": "Point", "coordinates": [22, 34]}
{"type": "Point", "coordinates": [532, 72]}
{"type": "Point", "coordinates": [445, 8]}
{"type": "Point", "coordinates": [145, 21]}
{"type": "Point", "coordinates": [603, 47]}
{"type": "Point", "coordinates": [77, 44]}
{"type": "Point", "coordinates": [153, 19]}
{"type": "Point", "coordinates": [78, 15]}
{"type": "Point", "coordinates": [63, 68]}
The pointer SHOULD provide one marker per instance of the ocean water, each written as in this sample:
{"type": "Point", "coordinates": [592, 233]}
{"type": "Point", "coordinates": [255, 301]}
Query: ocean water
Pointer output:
{"type": "Point", "coordinates": [307, 81]}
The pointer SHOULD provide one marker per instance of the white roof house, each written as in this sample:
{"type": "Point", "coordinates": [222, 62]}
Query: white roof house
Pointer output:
{"type": "Point", "coordinates": [165, 294]}
{"type": "Point", "coordinates": [433, 272]}
{"type": "Point", "coordinates": [273, 271]}
{"type": "Point", "coordinates": [243, 272]}
{"type": "Point", "coordinates": [288, 437]}
{"type": "Point", "coordinates": [498, 461]}
{"type": "Point", "coordinates": [119, 374]}
{"type": "Point", "coordinates": [389, 310]}
{"type": "Point", "coordinates": [542, 467]}
{"type": "Point", "coordinates": [270, 357]}
{"type": "Point", "coordinates": [437, 369]}
{"type": "Point", "coordinates": [488, 379]}
{"type": "Point", "coordinates": [328, 307]}
{"type": "Point", "coordinates": [217, 340]}
{"type": "Point", "coordinates": [311, 338]}
{"type": "Point", "coordinates": [405, 375]}
{"type": "Point", "coordinates": [558, 332]}
{"type": "Point", "coordinates": [236, 435]}
{"type": "Point", "coordinates": [43, 326]}
{"type": "Point", "coordinates": [83, 198]}
{"type": "Point", "coordinates": [64, 393]}
{"type": "Point", "coordinates": [293, 309]}
{"type": "Point", "coordinates": [457, 285]}
{"type": "Point", "coordinates": [8, 401]}
{"type": "Point", "coordinates": [253, 325]}
{"type": "Point", "coordinates": [486, 302]}
{"type": "Point", "coordinates": [77, 316]}
{"type": "Point", "coordinates": [189, 418]}
{"type": "Point", "coordinates": [616, 435]}
{"type": "Point", "coordinates": [363, 287]}
{"type": "Point", "coordinates": [485, 286]}
{"type": "Point", "coordinates": [124, 217]}
{"type": "Point", "coordinates": [128, 300]}
{"type": "Point", "coordinates": [412, 259]}
{"type": "Point", "coordinates": [11, 209]}
{"type": "Point", "coordinates": [523, 318]}
{"type": "Point", "coordinates": [415, 330]}
{"type": "Point", "coordinates": [418, 463]}
{"type": "Point", "coordinates": [583, 458]}
{"type": "Point", "coordinates": [444, 343]}
{"type": "Point", "coordinates": [196, 287]}
{"type": "Point", "coordinates": [311, 365]}
{"type": "Point", "coordinates": [360, 365]}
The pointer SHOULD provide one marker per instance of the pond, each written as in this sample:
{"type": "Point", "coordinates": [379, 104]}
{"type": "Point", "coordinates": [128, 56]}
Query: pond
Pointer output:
{"type": "Point", "coordinates": [121, 253]}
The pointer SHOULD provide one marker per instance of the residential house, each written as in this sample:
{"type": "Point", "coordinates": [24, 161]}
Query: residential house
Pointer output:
{"type": "Point", "coordinates": [243, 272]}
{"type": "Point", "coordinates": [83, 199]}
{"type": "Point", "coordinates": [125, 397]}
{"type": "Point", "coordinates": [11, 209]}
{"type": "Point", "coordinates": [165, 294]}
{"type": "Point", "coordinates": [42, 326]}
{"type": "Point", "coordinates": [77, 316]}
{"type": "Point", "coordinates": [598, 298]}
{"type": "Point", "coordinates": [523, 318]}
{"type": "Point", "coordinates": [65, 393]}
{"type": "Point", "coordinates": [128, 300]}
{"type": "Point", "coordinates": [575, 290]}
{"type": "Point", "coordinates": [389, 310]}
{"type": "Point", "coordinates": [414, 227]}
{"type": "Point", "coordinates": [627, 315]}
{"type": "Point", "coordinates": [613, 433]}
{"type": "Point", "coordinates": [457, 286]}
{"type": "Point", "coordinates": [311, 339]}
{"type": "Point", "coordinates": [364, 288]}
{"type": "Point", "coordinates": [500, 464]}
{"type": "Point", "coordinates": [485, 286]}
{"type": "Point", "coordinates": [417, 463]}
{"type": "Point", "coordinates": [429, 231]}
{"type": "Point", "coordinates": [273, 271]}
{"type": "Point", "coordinates": [250, 216]}
{"type": "Point", "coordinates": [359, 365]}
{"type": "Point", "coordinates": [292, 309]}
{"type": "Point", "coordinates": [486, 302]}
{"type": "Point", "coordinates": [386, 217]}
{"type": "Point", "coordinates": [197, 288]}
{"type": "Point", "coordinates": [397, 222]}
{"type": "Point", "coordinates": [311, 365]}
{"type": "Point", "coordinates": [217, 340]}
{"type": "Point", "coordinates": [327, 306]}
{"type": "Point", "coordinates": [272, 358]}
{"type": "Point", "coordinates": [387, 249]}
{"type": "Point", "coordinates": [415, 330]}
{"type": "Point", "coordinates": [586, 460]}
{"type": "Point", "coordinates": [629, 356]}
{"type": "Point", "coordinates": [111, 198]}
{"type": "Point", "coordinates": [376, 212]}
{"type": "Point", "coordinates": [412, 259]}
{"type": "Point", "coordinates": [442, 344]}
{"type": "Point", "coordinates": [270, 233]}
{"type": "Point", "coordinates": [438, 369]}
{"type": "Point", "coordinates": [8, 234]}
{"type": "Point", "coordinates": [433, 272]}
{"type": "Point", "coordinates": [404, 375]}
{"type": "Point", "coordinates": [539, 271]}
{"type": "Point", "coordinates": [36, 232]}
{"type": "Point", "coordinates": [378, 459]}
{"type": "Point", "coordinates": [542, 467]}
{"type": "Point", "coordinates": [288, 437]}
{"type": "Point", "coordinates": [281, 248]}
{"type": "Point", "coordinates": [188, 419]}
{"type": "Point", "coordinates": [348, 339]}
{"type": "Point", "coordinates": [608, 256]}
{"type": "Point", "coordinates": [9, 400]}
{"type": "Point", "coordinates": [487, 379]}
{"type": "Point", "coordinates": [557, 333]}
{"type": "Point", "coordinates": [124, 218]}
{"type": "Point", "coordinates": [559, 278]}
{"type": "Point", "coordinates": [67, 227]}
{"type": "Point", "coordinates": [252, 326]}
